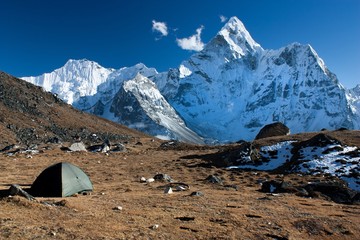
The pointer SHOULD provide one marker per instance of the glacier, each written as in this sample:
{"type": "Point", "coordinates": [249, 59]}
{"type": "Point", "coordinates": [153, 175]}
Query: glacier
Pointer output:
{"type": "Point", "coordinates": [224, 93]}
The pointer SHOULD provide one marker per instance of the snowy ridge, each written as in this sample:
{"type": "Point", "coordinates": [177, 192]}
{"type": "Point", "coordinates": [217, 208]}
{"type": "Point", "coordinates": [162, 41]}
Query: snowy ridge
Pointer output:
{"type": "Point", "coordinates": [75, 79]}
{"type": "Point", "coordinates": [158, 109]}
{"type": "Point", "coordinates": [106, 91]}
{"type": "Point", "coordinates": [224, 93]}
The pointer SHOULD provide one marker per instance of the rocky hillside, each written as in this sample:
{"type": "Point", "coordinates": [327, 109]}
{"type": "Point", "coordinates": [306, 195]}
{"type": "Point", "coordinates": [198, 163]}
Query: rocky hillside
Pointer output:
{"type": "Point", "coordinates": [31, 115]}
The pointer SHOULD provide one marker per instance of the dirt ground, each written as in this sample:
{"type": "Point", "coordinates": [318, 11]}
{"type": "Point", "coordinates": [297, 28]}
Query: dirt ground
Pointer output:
{"type": "Point", "coordinates": [122, 207]}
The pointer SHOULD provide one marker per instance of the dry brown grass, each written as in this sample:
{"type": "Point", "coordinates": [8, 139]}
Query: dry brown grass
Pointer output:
{"type": "Point", "coordinates": [222, 213]}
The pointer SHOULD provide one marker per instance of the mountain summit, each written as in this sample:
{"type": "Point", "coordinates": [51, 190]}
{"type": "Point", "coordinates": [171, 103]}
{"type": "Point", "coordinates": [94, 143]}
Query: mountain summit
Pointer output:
{"type": "Point", "coordinates": [226, 92]}
{"type": "Point", "coordinates": [238, 38]}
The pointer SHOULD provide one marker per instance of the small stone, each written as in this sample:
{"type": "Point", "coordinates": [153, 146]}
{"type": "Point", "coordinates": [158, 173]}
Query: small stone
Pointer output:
{"type": "Point", "coordinates": [214, 179]}
{"type": "Point", "coordinates": [118, 208]}
{"type": "Point", "coordinates": [155, 226]}
{"type": "Point", "coordinates": [142, 179]}
{"type": "Point", "coordinates": [181, 188]}
{"type": "Point", "coordinates": [197, 193]}
{"type": "Point", "coordinates": [168, 190]}
{"type": "Point", "coordinates": [150, 180]}
{"type": "Point", "coordinates": [163, 177]}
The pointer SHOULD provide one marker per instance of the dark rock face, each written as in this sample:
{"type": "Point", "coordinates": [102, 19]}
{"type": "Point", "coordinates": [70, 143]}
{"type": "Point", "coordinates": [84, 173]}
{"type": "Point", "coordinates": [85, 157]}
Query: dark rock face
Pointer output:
{"type": "Point", "coordinates": [319, 140]}
{"type": "Point", "coordinates": [336, 191]}
{"type": "Point", "coordinates": [330, 190]}
{"type": "Point", "coordinates": [129, 112]}
{"type": "Point", "coordinates": [272, 130]}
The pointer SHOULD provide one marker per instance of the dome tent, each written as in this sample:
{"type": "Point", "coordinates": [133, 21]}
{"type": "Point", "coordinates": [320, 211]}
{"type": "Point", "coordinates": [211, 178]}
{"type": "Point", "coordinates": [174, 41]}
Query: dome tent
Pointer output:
{"type": "Point", "coordinates": [61, 180]}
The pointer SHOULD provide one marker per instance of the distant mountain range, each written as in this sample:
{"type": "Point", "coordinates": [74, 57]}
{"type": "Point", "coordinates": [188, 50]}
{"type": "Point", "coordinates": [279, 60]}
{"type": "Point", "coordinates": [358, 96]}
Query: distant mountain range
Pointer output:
{"type": "Point", "coordinates": [224, 93]}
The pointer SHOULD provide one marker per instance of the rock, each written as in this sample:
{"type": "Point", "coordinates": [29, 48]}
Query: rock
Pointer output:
{"type": "Point", "coordinates": [118, 208]}
{"type": "Point", "coordinates": [275, 186]}
{"type": "Point", "coordinates": [336, 191]}
{"type": "Point", "coordinates": [197, 194]}
{"type": "Point", "coordinates": [54, 140]}
{"type": "Point", "coordinates": [319, 140]}
{"type": "Point", "coordinates": [155, 226]}
{"type": "Point", "coordinates": [163, 177]}
{"type": "Point", "coordinates": [214, 179]}
{"type": "Point", "coordinates": [244, 154]}
{"type": "Point", "coordinates": [104, 147]}
{"type": "Point", "coordinates": [150, 180]}
{"type": "Point", "coordinates": [181, 188]}
{"type": "Point", "coordinates": [142, 179]}
{"type": "Point", "coordinates": [168, 190]}
{"type": "Point", "coordinates": [9, 147]}
{"type": "Point", "coordinates": [77, 147]}
{"type": "Point", "coordinates": [118, 148]}
{"type": "Point", "coordinates": [17, 190]}
{"type": "Point", "coordinates": [272, 130]}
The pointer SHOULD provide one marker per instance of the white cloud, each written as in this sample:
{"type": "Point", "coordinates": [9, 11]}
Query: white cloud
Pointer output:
{"type": "Point", "coordinates": [223, 18]}
{"type": "Point", "coordinates": [160, 27]}
{"type": "Point", "coordinates": [193, 42]}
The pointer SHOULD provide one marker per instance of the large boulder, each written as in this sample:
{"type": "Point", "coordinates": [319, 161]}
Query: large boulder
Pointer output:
{"type": "Point", "coordinates": [272, 130]}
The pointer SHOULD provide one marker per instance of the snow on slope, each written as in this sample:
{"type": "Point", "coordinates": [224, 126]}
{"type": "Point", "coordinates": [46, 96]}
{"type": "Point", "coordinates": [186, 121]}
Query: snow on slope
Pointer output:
{"type": "Point", "coordinates": [107, 90]}
{"type": "Point", "coordinates": [334, 159]}
{"type": "Point", "coordinates": [140, 100]}
{"type": "Point", "coordinates": [353, 97]}
{"type": "Point", "coordinates": [233, 87]}
{"type": "Point", "coordinates": [226, 92]}
{"type": "Point", "coordinates": [75, 79]}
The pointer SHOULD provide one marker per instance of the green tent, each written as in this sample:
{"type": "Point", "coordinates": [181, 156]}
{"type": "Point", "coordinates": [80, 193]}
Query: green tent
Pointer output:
{"type": "Point", "coordinates": [61, 180]}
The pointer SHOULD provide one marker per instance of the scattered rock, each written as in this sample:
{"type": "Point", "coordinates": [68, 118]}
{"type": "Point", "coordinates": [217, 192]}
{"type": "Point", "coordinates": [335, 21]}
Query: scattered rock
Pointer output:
{"type": "Point", "coordinates": [336, 191]}
{"type": "Point", "coordinates": [275, 186]}
{"type": "Point", "coordinates": [168, 190]}
{"type": "Point", "coordinates": [197, 194]}
{"type": "Point", "coordinates": [118, 208]}
{"type": "Point", "coordinates": [154, 227]}
{"type": "Point", "coordinates": [186, 219]}
{"type": "Point", "coordinates": [104, 147]}
{"type": "Point", "coordinates": [150, 180]}
{"type": "Point", "coordinates": [118, 148]}
{"type": "Point", "coordinates": [142, 179]}
{"type": "Point", "coordinates": [272, 130]}
{"type": "Point", "coordinates": [214, 179]}
{"type": "Point", "coordinates": [78, 147]}
{"type": "Point", "coordinates": [163, 177]}
{"type": "Point", "coordinates": [179, 186]}
{"type": "Point", "coordinates": [17, 190]}
{"type": "Point", "coordinates": [9, 147]}
{"type": "Point", "coordinates": [246, 153]}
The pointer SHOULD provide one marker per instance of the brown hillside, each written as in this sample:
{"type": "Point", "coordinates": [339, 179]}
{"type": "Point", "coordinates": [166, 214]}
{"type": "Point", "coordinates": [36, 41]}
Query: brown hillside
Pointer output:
{"type": "Point", "coordinates": [30, 115]}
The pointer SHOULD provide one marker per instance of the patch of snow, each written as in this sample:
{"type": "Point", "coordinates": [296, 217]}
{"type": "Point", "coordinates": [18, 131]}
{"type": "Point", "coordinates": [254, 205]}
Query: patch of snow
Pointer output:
{"type": "Point", "coordinates": [283, 155]}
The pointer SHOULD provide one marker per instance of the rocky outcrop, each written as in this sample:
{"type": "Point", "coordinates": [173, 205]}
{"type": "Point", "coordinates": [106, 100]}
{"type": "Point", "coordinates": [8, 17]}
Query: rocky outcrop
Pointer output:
{"type": "Point", "coordinates": [272, 130]}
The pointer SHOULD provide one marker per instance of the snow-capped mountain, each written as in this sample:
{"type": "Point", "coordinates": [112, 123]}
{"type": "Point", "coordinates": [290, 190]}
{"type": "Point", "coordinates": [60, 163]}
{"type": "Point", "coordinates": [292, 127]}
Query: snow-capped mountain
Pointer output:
{"type": "Point", "coordinates": [233, 87]}
{"type": "Point", "coordinates": [75, 79]}
{"type": "Point", "coordinates": [225, 92]}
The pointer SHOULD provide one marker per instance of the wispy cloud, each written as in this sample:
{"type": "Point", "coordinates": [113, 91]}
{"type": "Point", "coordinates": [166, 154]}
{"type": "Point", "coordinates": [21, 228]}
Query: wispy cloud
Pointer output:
{"type": "Point", "coordinates": [160, 27]}
{"type": "Point", "coordinates": [223, 18]}
{"type": "Point", "coordinates": [193, 42]}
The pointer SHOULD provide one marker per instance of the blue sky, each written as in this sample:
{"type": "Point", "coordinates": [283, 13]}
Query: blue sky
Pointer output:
{"type": "Point", "coordinates": [40, 36]}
